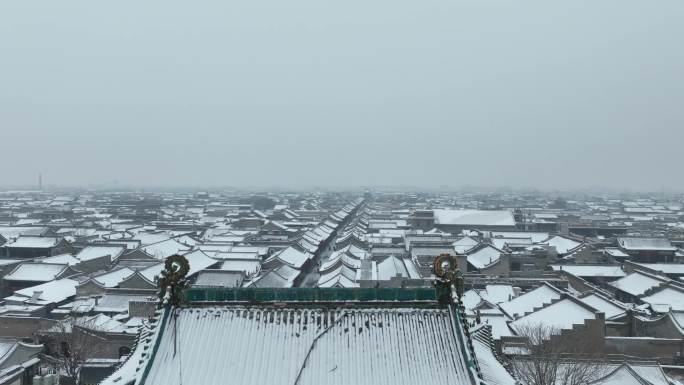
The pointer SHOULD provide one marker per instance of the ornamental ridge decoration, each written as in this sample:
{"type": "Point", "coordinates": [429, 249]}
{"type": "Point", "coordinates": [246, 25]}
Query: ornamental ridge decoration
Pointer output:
{"type": "Point", "coordinates": [173, 280]}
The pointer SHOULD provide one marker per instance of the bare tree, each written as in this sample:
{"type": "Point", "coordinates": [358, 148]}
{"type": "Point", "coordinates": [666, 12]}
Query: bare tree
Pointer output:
{"type": "Point", "coordinates": [550, 357]}
{"type": "Point", "coordinates": [70, 343]}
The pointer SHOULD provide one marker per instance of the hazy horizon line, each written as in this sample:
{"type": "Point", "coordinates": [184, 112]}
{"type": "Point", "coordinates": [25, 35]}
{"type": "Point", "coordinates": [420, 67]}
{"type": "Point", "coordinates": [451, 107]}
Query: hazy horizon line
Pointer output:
{"type": "Point", "coordinates": [257, 188]}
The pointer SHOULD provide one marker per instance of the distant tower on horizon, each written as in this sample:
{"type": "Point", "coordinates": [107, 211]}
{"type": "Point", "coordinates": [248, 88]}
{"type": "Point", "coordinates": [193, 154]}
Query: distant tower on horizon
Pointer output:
{"type": "Point", "coordinates": [40, 181]}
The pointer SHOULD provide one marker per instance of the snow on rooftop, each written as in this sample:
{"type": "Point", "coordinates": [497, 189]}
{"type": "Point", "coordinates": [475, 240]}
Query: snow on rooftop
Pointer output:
{"type": "Point", "coordinates": [615, 252]}
{"type": "Point", "coordinates": [493, 371]}
{"type": "Point", "coordinates": [411, 268]}
{"type": "Point", "coordinates": [198, 261]}
{"type": "Point", "coordinates": [165, 249]}
{"type": "Point", "coordinates": [352, 346]}
{"type": "Point", "coordinates": [249, 267]}
{"type": "Point", "coordinates": [634, 374]}
{"type": "Point", "coordinates": [465, 244]}
{"type": "Point", "coordinates": [228, 238]}
{"type": "Point", "coordinates": [114, 277]}
{"type": "Point", "coordinates": [498, 293]}
{"type": "Point", "coordinates": [535, 237]}
{"type": "Point", "coordinates": [471, 298]}
{"type": "Point", "coordinates": [667, 296]}
{"type": "Point", "coordinates": [224, 248]}
{"type": "Point", "coordinates": [119, 302]}
{"type": "Point", "coordinates": [340, 257]}
{"type": "Point", "coordinates": [9, 232]}
{"type": "Point", "coordinates": [636, 244]}
{"type": "Point", "coordinates": [218, 278]}
{"type": "Point", "coordinates": [501, 243]}
{"type": "Point", "coordinates": [102, 322]}
{"type": "Point", "coordinates": [343, 276]}
{"type": "Point", "coordinates": [293, 257]}
{"type": "Point", "coordinates": [559, 315]}
{"type": "Point", "coordinates": [227, 256]}
{"type": "Point", "coordinates": [665, 268]}
{"type": "Point", "coordinates": [563, 245]}
{"type": "Point", "coordinates": [33, 242]}
{"type": "Point", "coordinates": [621, 376]}
{"type": "Point", "coordinates": [591, 270]}
{"type": "Point", "coordinates": [484, 257]}
{"type": "Point", "coordinates": [637, 283]}
{"type": "Point", "coordinates": [66, 259]}
{"type": "Point", "coordinates": [600, 303]}
{"type": "Point", "coordinates": [391, 267]}
{"type": "Point", "coordinates": [148, 238]}
{"type": "Point", "coordinates": [52, 292]}
{"type": "Point", "coordinates": [35, 272]}
{"type": "Point", "coordinates": [283, 276]}
{"type": "Point", "coordinates": [527, 302]}
{"type": "Point", "coordinates": [473, 217]}
{"type": "Point", "coordinates": [152, 272]}
{"type": "Point", "coordinates": [92, 252]}
{"type": "Point", "coordinates": [653, 373]}
{"type": "Point", "coordinates": [499, 323]}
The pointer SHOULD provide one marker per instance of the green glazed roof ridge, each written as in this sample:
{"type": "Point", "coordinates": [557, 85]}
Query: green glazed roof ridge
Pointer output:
{"type": "Point", "coordinates": [160, 327]}
{"type": "Point", "coordinates": [194, 295]}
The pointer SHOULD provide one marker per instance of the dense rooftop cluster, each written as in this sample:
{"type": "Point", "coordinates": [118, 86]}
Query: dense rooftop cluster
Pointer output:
{"type": "Point", "coordinates": [600, 268]}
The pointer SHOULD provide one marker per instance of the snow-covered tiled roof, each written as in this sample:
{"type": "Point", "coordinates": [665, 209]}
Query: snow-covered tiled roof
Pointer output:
{"type": "Point", "coordinates": [218, 278]}
{"type": "Point", "coordinates": [615, 252]}
{"type": "Point", "coordinates": [9, 232]}
{"type": "Point", "coordinates": [493, 371]}
{"type": "Point", "coordinates": [292, 257]}
{"type": "Point", "coordinates": [484, 257]}
{"type": "Point", "coordinates": [114, 277]}
{"type": "Point", "coordinates": [471, 299]}
{"type": "Point", "coordinates": [36, 272]}
{"type": "Point", "coordinates": [558, 315]}
{"type": "Point", "coordinates": [33, 242]}
{"type": "Point", "coordinates": [609, 271]}
{"type": "Point", "coordinates": [499, 323]}
{"type": "Point", "coordinates": [665, 268]}
{"type": "Point", "coordinates": [309, 346]}
{"type": "Point", "coordinates": [51, 292]}
{"type": "Point", "coordinates": [498, 293]}
{"type": "Point", "coordinates": [248, 266]}
{"type": "Point", "coordinates": [609, 307]}
{"type": "Point", "coordinates": [165, 249]}
{"type": "Point", "coordinates": [92, 252]}
{"type": "Point", "coordinates": [113, 302]}
{"type": "Point", "coordinates": [283, 276]}
{"type": "Point", "coordinates": [473, 217]}
{"type": "Point", "coordinates": [501, 243]}
{"type": "Point", "coordinates": [671, 297]}
{"type": "Point", "coordinates": [637, 283]}
{"type": "Point", "coordinates": [563, 245]}
{"type": "Point", "coordinates": [534, 237]}
{"type": "Point", "coordinates": [343, 276]}
{"type": "Point", "coordinates": [634, 374]}
{"type": "Point", "coordinates": [65, 259]}
{"type": "Point", "coordinates": [465, 244]}
{"type": "Point", "coordinates": [638, 244]}
{"type": "Point", "coordinates": [527, 302]}
{"type": "Point", "coordinates": [391, 267]}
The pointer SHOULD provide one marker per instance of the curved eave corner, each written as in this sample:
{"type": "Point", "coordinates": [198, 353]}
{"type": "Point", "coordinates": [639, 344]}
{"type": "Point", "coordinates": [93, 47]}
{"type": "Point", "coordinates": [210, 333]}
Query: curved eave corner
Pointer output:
{"type": "Point", "coordinates": [152, 344]}
{"type": "Point", "coordinates": [136, 367]}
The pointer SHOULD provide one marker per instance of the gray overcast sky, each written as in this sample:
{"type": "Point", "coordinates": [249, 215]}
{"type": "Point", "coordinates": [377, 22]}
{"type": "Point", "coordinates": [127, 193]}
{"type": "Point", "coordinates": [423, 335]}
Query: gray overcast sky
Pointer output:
{"type": "Point", "coordinates": [550, 94]}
